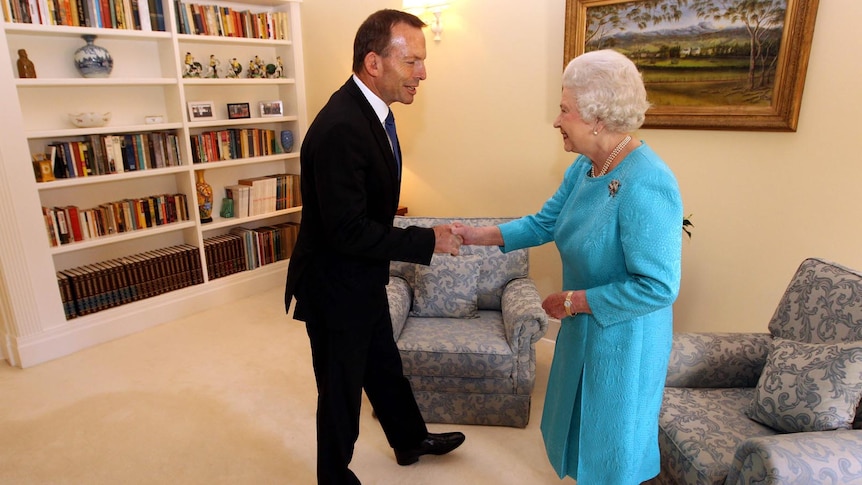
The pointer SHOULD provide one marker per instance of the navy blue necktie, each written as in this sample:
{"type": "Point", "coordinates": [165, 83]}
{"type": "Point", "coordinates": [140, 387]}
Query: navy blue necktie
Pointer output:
{"type": "Point", "coordinates": [393, 137]}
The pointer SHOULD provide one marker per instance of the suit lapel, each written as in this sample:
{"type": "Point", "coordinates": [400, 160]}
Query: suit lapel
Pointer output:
{"type": "Point", "coordinates": [379, 132]}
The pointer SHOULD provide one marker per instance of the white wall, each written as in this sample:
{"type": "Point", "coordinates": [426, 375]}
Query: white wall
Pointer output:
{"type": "Point", "coordinates": [479, 141]}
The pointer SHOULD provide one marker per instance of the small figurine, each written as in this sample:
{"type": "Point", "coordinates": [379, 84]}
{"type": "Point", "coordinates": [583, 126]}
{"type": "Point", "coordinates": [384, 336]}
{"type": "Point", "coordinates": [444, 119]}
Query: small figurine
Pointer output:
{"type": "Point", "coordinates": [193, 68]}
{"type": "Point", "coordinates": [26, 69]}
{"type": "Point", "coordinates": [275, 71]}
{"type": "Point", "coordinates": [233, 69]}
{"type": "Point", "coordinates": [279, 68]}
{"type": "Point", "coordinates": [213, 69]}
{"type": "Point", "coordinates": [255, 68]}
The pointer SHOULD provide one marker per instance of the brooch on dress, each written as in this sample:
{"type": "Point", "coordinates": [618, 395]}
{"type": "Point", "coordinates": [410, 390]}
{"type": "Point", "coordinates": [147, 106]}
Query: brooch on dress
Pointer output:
{"type": "Point", "coordinates": [613, 187]}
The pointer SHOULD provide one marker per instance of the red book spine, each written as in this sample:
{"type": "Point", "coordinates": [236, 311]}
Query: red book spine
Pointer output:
{"type": "Point", "coordinates": [74, 221]}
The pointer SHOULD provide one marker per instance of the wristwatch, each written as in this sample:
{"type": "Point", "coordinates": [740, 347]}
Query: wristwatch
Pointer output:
{"type": "Point", "coordinates": [568, 304]}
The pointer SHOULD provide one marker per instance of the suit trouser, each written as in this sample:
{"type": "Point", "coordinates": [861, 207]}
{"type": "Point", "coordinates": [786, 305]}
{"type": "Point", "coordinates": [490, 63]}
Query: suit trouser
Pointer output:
{"type": "Point", "coordinates": [353, 348]}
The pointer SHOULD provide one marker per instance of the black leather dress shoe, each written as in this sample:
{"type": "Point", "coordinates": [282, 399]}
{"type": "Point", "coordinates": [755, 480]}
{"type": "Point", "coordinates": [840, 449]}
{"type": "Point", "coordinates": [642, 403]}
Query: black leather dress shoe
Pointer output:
{"type": "Point", "coordinates": [433, 444]}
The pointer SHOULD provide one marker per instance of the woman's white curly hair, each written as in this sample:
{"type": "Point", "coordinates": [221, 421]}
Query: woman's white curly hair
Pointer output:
{"type": "Point", "coordinates": [608, 88]}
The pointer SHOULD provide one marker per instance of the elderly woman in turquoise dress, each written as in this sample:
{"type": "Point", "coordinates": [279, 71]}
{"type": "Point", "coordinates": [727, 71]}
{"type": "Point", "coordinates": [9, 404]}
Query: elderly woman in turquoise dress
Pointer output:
{"type": "Point", "coordinates": [616, 220]}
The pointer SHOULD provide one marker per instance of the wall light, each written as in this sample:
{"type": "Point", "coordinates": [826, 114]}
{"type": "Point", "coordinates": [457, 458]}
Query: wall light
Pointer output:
{"type": "Point", "coordinates": [435, 7]}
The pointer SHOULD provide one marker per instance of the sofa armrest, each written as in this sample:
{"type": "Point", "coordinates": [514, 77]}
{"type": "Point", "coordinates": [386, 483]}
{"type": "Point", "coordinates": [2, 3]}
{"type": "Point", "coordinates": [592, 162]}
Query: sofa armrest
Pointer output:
{"type": "Point", "coordinates": [717, 359]}
{"type": "Point", "coordinates": [814, 457]}
{"type": "Point", "coordinates": [523, 317]}
{"type": "Point", "coordinates": [400, 296]}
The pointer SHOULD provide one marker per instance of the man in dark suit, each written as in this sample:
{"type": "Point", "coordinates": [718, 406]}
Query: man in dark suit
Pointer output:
{"type": "Point", "coordinates": [351, 183]}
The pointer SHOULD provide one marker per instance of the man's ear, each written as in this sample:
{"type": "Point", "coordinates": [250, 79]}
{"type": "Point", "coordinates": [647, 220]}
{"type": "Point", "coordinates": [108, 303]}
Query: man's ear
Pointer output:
{"type": "Point", "coordinates": [373, 63]}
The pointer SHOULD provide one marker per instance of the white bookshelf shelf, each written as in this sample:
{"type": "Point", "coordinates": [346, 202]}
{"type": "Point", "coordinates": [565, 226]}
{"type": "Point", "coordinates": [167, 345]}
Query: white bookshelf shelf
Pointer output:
{"type": "Point", "coordinates": [103, 130]}
{"type": "Point", "coordinates": [109, 178]}
{"type": "Point", "coordinates": [93, 82]}
{"type": "Point", "coordinates": [123, 236]}
{"type": "Point", "coordinates": [221, 223]}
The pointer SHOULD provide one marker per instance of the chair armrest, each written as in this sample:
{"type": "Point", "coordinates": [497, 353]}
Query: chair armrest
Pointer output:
{"type": "Point", "coordinates": [524, 322]}
{"type": "Point", "coordinates": [400, 298]}
{"type": "Point", "coordinates": [717, 359]}
{"type": "Point", "coordinates": [524, 319]}
{"type": "Point", "coordinates": [814, 457]}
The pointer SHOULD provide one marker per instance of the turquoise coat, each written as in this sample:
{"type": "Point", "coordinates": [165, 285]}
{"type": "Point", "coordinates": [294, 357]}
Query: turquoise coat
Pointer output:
{"type": "Point", "coordinates": [619, 238]}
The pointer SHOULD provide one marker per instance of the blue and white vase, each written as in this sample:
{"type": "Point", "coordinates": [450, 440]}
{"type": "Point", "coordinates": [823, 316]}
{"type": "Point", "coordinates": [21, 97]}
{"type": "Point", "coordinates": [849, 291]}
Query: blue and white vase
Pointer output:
{"type": "Point", "coordinates": [287, 140]}
{"type": "Point", "coordinates": [93, 60]}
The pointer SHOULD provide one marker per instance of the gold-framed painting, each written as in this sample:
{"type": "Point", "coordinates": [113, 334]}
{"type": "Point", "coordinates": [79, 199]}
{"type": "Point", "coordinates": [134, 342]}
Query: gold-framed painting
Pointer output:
{"type": "Point", "coordinates": [706, 64]}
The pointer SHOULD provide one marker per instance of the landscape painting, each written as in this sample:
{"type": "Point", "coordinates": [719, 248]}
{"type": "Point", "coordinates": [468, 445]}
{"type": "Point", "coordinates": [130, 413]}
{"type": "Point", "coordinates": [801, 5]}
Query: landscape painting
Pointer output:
{"type": "Point", "coordinates": [720, 64]}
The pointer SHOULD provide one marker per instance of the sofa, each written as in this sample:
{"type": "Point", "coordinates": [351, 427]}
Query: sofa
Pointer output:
{"type": "Point", "coordinates": [771, 408]}
{"type": "Point", "coordinates": [466, 328]}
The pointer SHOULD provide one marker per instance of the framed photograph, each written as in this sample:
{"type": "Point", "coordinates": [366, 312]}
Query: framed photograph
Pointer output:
{"type": "Point", "coordinates": [271, 108]}
{"type": "Point", "coordinates": [201, 111]}
{"type": "Point", "coordinates": [709, 64]}
{"type": "Point", "coordinates": [236, 111]}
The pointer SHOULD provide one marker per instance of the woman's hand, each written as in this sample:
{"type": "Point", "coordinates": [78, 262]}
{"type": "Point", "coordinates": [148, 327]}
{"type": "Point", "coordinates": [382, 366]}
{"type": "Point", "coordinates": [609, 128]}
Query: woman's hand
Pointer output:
{"type": "Point", "coordinates": [555, 304]}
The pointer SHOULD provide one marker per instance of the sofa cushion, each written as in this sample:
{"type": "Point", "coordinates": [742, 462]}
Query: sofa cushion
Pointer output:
{"type": "Point", "coordinates": [822, 304]}
{"type": "Point", "coordinates": [700, 429]}
{"type": "Point", "coordinates": [808, 387]}
{"type": "Point", "coordinates": [448, 287]}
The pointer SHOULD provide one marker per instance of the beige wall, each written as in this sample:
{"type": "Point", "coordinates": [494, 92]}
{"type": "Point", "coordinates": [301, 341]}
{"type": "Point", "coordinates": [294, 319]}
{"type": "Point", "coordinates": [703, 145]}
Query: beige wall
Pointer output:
{"type": "Point", "coordinates": [479, 141]}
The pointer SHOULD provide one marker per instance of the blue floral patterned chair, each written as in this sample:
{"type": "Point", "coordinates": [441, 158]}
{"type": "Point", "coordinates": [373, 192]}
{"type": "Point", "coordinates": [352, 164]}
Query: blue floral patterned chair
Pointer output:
{"type": "Point", "coordinates": [466, 327]}
{"type": "Point", "coordinates": [771, 408]}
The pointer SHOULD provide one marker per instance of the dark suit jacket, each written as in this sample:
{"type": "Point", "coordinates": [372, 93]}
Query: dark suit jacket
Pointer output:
{"type": "Point", "coordinates": [350, 191]}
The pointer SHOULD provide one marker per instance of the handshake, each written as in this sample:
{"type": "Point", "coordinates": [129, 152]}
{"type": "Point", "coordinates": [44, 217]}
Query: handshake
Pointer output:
{"type": "Point", "coordinates": [446, 241]}
{"type": "Point", "coordinates": [450, 237]}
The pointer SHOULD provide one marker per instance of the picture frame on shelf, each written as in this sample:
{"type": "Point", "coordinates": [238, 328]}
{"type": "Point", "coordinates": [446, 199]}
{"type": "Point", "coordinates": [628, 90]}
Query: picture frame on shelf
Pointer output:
{"type": "Point", "coordinates": [695, 83]}
{"type": "Point", "coordinates": [236, 111]}
{"type": "Point", "coordinates": [271, 108]}
{"type": "Point", "coordinates": [201, 110]}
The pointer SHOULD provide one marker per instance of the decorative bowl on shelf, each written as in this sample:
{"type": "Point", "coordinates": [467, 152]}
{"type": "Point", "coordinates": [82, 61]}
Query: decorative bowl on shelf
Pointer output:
{"type": "Point", "coordinates": [89, 119]}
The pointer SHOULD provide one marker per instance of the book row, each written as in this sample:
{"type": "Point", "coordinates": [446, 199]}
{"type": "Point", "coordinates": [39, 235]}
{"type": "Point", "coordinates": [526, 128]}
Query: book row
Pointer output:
{"type": "Point", "coordinates": [245, 249]}
{"type": "Point", "coordinates": [234, 143]}
{"type": "Point", "coordinates": [71, 224]}
{"type": "Point", "coordinates": [95, 287]}
{"type": "Point", "coordinates": [144, 15]}
{"type": "Point", "coordinates": [262, 195]}
{"type": "Point", "coordinates": [110, 154]}
{"type": "Point", "coordinates": [199, 19]}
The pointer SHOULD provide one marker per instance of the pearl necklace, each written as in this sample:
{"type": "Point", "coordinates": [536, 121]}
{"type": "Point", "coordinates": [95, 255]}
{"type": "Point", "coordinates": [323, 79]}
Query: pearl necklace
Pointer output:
{"type": "Point", "coordinates": [611, 157]}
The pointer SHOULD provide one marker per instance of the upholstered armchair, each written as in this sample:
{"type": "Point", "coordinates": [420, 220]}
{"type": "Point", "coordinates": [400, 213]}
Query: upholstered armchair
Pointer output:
{"type": "Point", "coordinates": [771, 408]}
{"type": "Point", "coordinates": [466, 327]}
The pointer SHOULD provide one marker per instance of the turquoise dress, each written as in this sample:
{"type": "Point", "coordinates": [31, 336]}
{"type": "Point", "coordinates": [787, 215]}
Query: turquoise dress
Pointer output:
{"type": "Point", "coordinates": [619, 238]}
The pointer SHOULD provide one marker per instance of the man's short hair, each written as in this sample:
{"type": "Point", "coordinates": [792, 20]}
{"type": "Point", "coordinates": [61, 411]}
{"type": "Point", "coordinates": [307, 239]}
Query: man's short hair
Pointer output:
{"type": "Point", "coordinates": [375, 34]}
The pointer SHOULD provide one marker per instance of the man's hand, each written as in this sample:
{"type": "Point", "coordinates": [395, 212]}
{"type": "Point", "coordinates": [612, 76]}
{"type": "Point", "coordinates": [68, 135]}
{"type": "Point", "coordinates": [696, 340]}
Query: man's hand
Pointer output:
{"type": "Point", "coordinates": [480, 236]}
{"type": "Point", "coordinates": [445, 241]}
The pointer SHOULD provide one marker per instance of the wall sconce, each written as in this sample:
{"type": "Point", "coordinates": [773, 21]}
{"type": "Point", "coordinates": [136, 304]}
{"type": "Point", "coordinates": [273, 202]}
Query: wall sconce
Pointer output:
{"type": "Point", "coordinates": [435, 7]}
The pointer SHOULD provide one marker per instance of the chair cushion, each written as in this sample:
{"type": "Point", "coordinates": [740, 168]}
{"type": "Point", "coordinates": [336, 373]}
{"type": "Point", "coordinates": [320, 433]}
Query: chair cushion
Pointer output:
{"type": "Point", "coordinates": [448, 287]}
{"type": "Point", "coordinates": [808, 387]}
{"type": "Point", "coordinates": [700, 429]}
{"type": "Point", "coordinates": [453, 347]}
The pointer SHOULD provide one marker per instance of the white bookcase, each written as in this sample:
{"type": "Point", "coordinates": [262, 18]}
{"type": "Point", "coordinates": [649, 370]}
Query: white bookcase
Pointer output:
{"type": "Point", "coordinates": [147, 80]}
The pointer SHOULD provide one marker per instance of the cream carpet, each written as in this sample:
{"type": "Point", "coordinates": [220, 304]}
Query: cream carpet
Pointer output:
{"type": "Point", "coordinates": [224, 397]}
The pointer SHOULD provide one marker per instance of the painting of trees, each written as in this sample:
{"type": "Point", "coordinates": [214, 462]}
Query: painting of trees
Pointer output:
{"type": "Point", "coordinates": [736, 63]}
